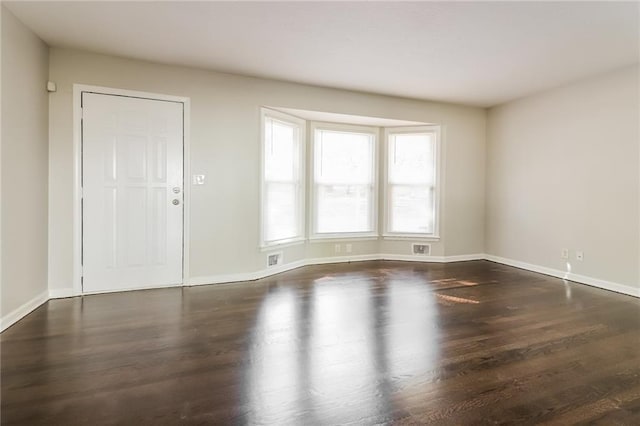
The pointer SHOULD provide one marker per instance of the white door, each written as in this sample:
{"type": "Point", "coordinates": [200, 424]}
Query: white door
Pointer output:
{"type": "Point", "coordinates": [132, 184]}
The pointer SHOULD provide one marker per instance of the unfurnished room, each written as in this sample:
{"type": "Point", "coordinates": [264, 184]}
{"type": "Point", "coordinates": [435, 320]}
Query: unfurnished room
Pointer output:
{"type": "Point", "coordinates": [320, 213]}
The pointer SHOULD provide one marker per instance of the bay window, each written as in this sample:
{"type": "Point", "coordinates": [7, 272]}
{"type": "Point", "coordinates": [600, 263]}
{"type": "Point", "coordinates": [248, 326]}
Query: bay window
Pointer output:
{"type": "Point", "coordinates": [412, 181]}
{"type": "Point", "coordinates": [282, 178]}
{"type": "Point", "coordinates": [344, 181]}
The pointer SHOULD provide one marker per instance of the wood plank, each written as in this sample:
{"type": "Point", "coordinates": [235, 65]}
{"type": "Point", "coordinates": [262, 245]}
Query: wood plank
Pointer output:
{"type": "Point", "coordinates": [379, 342]}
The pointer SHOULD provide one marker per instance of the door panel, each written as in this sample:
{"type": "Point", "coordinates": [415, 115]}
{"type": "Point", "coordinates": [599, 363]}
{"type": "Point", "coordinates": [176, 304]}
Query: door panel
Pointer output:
{"type": "Point", "coordinates": [132, 156]}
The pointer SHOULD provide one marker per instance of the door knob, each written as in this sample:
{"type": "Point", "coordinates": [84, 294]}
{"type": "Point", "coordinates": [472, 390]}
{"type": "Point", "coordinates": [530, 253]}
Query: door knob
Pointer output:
{"type": "Point", "coordinates": [176, 189]}
{"type": "Point", "coordinates": [175, 202]}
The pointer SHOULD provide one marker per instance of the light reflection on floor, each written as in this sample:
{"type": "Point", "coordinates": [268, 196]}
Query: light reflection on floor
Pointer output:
{"type": "Point", "coordinates": [274, 371]}
{"type": "Point", "coordinates": [332, 351]}
{"type": "Point", "coordinates": [452, 299]}
{"type": "Point", "coordinates": [413, 311]}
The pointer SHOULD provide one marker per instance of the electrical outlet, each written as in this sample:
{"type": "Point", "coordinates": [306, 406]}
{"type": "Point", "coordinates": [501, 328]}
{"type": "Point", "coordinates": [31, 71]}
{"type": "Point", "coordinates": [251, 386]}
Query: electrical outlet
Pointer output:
{"type": "Point", "coordinates": [348, 248]}
{"type": "Point", "coordinates": [336, 248]}
{"type": "Point", "coordinates": [579, 255]}
{"type": "Point", "coordinates": [565, 253]}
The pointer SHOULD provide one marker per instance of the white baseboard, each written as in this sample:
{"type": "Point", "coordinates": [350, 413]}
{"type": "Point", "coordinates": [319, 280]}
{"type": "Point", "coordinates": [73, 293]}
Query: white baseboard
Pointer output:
{"type": "Point", "coordinates": [17, 314]}
{"type": "Point", "coordinates": [252, 276]}
{"type": "Point", "coordinates": [61, 293]}
{"type": "Point", "coordinates": [465, 257]}
{"type": "Point", "coordinates": [569, 276]}
{"type": "Point", "coordinates": [244, 276]}
{"type": "Point", "coordinates": [432, 259]}
{"type": "Point", "coordinates": [263, 273]}
{"type": "Point", "coordinates": [119, 290]}
{"type": "Point", "coordinates": [11, 318]}
{"type": "Point", "coordinates": [220, 279]}
{"type": "Point", "coordinates": [341, 259]}
{"type": "Point", "coordinates": [412, 258]}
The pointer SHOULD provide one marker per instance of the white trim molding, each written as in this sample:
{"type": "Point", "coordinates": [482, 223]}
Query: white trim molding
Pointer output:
{"type": "Point", "coordinates": [245, 276]}
{"type": "Point", "coordinates": [342, 259]}
{"type": "Point", "coordinates": [569, 276]}
{"type": "Point", "coordinates": [263, 273]}
{"type": "Point", "coordinates": [337, 239]}
{"type": "Point", "coordinates": [61, 293]}
{"type": "Point", "coordinates": [431, 259]}
{"type": "Point", "coordinates": [252, 276]}
{"type": "Point", "coordinates": [23, 310]}
{"type": "Point", "coordinates": [276, 246]}
{"type": "Point", "coordinates": [581, 279]}
{"type": "Point", "coordinates": [387, 237]}
{"type": "Point", "coordinates": [118, 290]}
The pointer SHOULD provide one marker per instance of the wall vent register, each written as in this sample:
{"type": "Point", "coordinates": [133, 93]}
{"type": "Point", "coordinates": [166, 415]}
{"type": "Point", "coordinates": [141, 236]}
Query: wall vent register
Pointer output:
{"type": "Point", "coordinates": [421, 249]}
{"type": "Point", "coordinates": [274, 259]}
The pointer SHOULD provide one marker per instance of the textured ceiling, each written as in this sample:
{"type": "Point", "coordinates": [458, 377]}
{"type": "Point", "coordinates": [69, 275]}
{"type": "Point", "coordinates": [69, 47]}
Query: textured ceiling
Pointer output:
{"type": "Point", "coordinates": [477, 53]}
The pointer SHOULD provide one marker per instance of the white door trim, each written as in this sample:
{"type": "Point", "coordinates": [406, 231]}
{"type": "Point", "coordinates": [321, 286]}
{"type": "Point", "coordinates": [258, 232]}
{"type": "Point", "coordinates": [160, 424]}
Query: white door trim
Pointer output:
{"type": "Point", "coordinates": [77, 172]}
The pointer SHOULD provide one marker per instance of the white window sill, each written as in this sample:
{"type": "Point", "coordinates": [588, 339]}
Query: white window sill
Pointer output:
{"type": "Point", "coordinates": [410, 237]}
{"type": "Point", "coordinates": [336, 237]}
{"type": "Point", "coordinates": [283, 244]}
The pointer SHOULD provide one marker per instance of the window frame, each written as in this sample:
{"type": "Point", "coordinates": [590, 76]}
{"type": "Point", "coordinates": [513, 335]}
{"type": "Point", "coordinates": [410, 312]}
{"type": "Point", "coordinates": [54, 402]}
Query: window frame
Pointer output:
{"type": "Point", "coordinates": [372, 131]}
{"type": "Point", "coordinates": [299, 238]}
{"type": "Point", "coordinates": [435, 130]}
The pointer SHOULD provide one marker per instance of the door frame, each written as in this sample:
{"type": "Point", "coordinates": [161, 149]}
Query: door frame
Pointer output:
{"type": "Point", "coordinates": [78, 89]}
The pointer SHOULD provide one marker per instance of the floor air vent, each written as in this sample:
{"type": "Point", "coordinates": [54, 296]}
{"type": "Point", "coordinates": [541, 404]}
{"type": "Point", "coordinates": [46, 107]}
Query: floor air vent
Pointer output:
{"type": "Point", "coordinates": [421, 249]}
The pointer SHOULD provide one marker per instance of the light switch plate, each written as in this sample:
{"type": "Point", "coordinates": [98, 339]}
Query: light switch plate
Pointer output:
{"type": "Point", "coordinates": [198, 179]}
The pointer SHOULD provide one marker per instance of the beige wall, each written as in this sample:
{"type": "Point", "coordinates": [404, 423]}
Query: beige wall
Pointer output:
{"type": "Point", "coordinates": [225, 147]}
{"type": "Point", "coordinates": [562, 167]}
{"type": "Point", "coordinates": [24, 164]}
{"type": "Point", "coordinates": [563, 172]}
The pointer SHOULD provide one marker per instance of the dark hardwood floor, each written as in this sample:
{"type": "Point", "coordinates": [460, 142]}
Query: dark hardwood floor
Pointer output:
{"type": "Point", "coordinates": [362, 343]}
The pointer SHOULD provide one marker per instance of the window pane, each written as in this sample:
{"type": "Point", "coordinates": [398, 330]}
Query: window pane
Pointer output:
{"type": "Point", "coordinates": [281, 212]}
{"type": "Point", "coordinates": [280, 151]}
{"type": "Point", "coordinates": [343, 208]}
{"type": "Point", "coordinates": [281, 188]}
{"type": "Point", "coordinates": [411, 182]}
{"type": "Point", "coordinates": [344, 181]}
{"type": "Point", "coordinates": [411, 159]}
{"type": "Point", "coordinates": [411, 209]}
{"type": "Point", "coordinates": [343, 158]}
